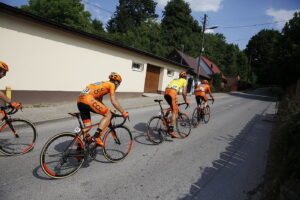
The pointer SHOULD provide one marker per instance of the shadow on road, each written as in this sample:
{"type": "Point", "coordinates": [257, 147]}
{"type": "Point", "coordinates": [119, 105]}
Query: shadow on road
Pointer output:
{"type": "Point", "coordinates": [231, 159]}
{"type": "Point", "coordinates": [140, 130]}
{"type": "Point", "coordinates": [262, 94]}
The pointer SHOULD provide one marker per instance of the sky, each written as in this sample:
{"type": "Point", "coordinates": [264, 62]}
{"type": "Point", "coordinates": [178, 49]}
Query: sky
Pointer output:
{"type": "Point", "coordinates": [237, 20]}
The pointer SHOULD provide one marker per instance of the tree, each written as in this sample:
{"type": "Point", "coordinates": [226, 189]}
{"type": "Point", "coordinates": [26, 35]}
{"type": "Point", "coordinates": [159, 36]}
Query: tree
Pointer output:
{"type": "Point", "coordinates": [131, 14]}
{"type": "Point", "coordinates": [145, 37]}
{"type": "Point", "coordinates": [68, 12]}
{"type": "Point", "coordinates": [179, 28]}
{"type": "Point", "coordinates": [243, 66]}
{"type": "Point", "coordinates": [289, 53]}
{"type": "Point", "coordinates": [262, 50]}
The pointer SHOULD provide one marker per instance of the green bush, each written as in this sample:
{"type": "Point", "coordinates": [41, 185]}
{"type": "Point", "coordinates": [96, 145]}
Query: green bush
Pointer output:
{"type": "Point", "coordinates": [282, 178]}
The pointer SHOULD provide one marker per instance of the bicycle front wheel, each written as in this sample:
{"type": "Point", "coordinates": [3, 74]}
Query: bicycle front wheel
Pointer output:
{"type": "Point", "coordinates": [156, 130]}
{"type": "Point", "coordinates": [62, 155]}
{"type": "Point", "coordinates": [196, 117]}
{"type": "Point", "coordinates": [117, 143]}
{"type": "Point", "coordinates": [17, 136]}
{"type": "Point", "coordinates": [183, 125]}
{"type": "Point", "coordinates": [206, 112]}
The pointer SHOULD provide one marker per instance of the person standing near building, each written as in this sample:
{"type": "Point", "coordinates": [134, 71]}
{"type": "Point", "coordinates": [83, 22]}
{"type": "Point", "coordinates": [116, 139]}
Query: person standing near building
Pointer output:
{"type": "Point", "coordinates": [190, 85]}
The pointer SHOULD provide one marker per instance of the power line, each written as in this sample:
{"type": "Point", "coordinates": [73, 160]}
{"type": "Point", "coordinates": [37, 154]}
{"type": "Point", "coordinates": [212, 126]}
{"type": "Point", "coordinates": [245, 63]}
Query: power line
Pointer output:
{"type": "Point", "coordinates": [97, 6]}
{"type": "Point", "coordinates": [244, 26]}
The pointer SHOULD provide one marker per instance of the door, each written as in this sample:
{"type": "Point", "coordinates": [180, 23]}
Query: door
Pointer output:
{"type": "Point", "coordinates": [152, 79]}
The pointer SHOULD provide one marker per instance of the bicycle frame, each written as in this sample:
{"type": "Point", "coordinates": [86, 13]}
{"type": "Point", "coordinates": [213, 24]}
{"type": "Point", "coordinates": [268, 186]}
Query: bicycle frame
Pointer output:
{"type": "Point", "coordinates": [5, 119]}
{"type": "Point", "coordinates": [165, 115]}
{"type": "Point", "coordinates": [81, 126]}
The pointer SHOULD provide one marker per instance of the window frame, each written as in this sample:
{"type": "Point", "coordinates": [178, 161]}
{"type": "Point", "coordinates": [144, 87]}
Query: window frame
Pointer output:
{"type": "Point", "coordinates": [170, 73]}
{"type": "Point", "coordinates": [138, 69]}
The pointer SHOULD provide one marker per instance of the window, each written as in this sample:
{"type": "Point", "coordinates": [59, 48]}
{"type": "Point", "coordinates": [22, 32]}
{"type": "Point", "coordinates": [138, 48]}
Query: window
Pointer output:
{"type": "Point", "coordinates": [137, 67]}
{"type": "Point", "coordinates": [170, 72]}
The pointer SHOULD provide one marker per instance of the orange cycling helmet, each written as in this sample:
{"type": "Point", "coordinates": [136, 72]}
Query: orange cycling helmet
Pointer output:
{"type": "Point", "coordinates": [4, 66]}
{"type": "Point", "coordinates": [115, 77]}
{"type": "Point", "coordinates": [182, 75]}
{"type": "Point", "coordinates": [204, 82]}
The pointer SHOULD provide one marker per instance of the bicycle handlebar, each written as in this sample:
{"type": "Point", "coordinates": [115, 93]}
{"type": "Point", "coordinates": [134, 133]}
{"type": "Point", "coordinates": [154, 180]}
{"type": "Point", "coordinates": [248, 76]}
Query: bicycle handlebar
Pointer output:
{"type": "Point", "coordinates": [211, 100]}
{"type": "Point", "coordinates": [115, 115]}
{"type": "Point", "coordinates": [180, 104]}
{"type": "Point", "coordinates": [9, 110]}
{"type": "Point", "coordinates": [187, 105]}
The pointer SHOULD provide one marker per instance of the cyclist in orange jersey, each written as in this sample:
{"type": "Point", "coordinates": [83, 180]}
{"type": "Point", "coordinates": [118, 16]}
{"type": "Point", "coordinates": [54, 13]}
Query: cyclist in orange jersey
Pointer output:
{"type": "Point", "coordinates": [3, 70]}
{"type": "Point", "coordinates": [172, 99]}
{"type": "Point", "coordinates": [90, 100]}
{"type": "Point", "coordinates": [200, 93]}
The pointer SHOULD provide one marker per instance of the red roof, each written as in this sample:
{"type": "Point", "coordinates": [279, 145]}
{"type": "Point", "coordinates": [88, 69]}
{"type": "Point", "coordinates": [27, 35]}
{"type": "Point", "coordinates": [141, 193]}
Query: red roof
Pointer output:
{"type": "Point", "coordinates": [192, 62]}
{"type": "Point", "coordinates": [214, 68]}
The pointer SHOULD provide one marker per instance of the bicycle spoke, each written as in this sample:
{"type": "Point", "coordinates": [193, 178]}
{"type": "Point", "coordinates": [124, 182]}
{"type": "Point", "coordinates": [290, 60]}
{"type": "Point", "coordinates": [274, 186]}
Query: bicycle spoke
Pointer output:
{"type": "Point", "coordinates": [156, 130]}
{"type": "Point", "coordinates": [183, 125]}
{"type": "Point", "coordinates": [62, 155]}
{"type": "Point", "coordinates": [196, 117]}
{"type": "Point", "coordinates": [117, 143]}
{"type": "Point", "coordinates": [17, 138]}
{"type": "Point", "coordinates": [206, 114]}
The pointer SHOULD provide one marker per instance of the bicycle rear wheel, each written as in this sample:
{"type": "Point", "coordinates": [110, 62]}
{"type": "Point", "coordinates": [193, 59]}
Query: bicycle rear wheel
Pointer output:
{"type": "Point", "coordinates": [62, 155]}
{"type": "Point", "coordinates": [156, 130]}
{"type": "Point", "coordinates": [206, 112]}
{"type": "Point", "coordinates": [117, 143]}
{"type": "Point", "coordinates": [183, 125]}
{"type": "Point", "coordinates": [196, 117]}
{"type": "Point", "coordinates": [17, 136]}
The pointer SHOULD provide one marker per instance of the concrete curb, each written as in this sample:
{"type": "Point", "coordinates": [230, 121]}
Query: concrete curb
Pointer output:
{"type": "Point", "coordinates": [52, 113]}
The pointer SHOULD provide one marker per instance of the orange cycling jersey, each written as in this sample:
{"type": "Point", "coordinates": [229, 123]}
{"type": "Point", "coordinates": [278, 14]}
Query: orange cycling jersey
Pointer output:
{"type": "Point", "coordinates": [95, 91]}
{"type": "Point", "coordinates": [202, 90]}
{"type": "Point", "coordinates": [99, 89]}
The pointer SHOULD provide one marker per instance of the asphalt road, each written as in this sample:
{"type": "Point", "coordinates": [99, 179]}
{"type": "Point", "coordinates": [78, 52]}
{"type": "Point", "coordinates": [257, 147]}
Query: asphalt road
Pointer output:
{"type": "Point", "coordinates": [221, 160]}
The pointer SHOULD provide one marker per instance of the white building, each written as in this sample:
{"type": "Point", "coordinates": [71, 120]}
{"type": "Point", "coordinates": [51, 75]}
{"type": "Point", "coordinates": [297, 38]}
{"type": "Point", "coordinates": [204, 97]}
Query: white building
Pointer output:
{"type": "Point", "coordinates": [52, 63]}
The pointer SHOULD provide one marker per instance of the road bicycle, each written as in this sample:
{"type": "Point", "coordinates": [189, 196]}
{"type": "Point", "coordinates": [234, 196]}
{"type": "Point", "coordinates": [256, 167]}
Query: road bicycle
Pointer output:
{"type": "Point", "coordinates": [201, 113]}
{"type": "Point", "coordinates": [64, 153]}
{"type": "Point", "coordinates": [158, 127]}
{"type": "Point", "coordinates": [17, 136]}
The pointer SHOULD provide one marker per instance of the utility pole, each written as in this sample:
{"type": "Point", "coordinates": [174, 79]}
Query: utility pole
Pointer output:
{"type": "Point", "coordinates": [182, 49]}
{"type": "Point", "coordinates": [202, 43]}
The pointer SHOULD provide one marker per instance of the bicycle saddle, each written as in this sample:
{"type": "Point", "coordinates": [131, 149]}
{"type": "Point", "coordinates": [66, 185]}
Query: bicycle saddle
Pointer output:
{"type": "Point", "coordinates": [158, 100]}
{"type": "Point", "coordinates": [74, 114]}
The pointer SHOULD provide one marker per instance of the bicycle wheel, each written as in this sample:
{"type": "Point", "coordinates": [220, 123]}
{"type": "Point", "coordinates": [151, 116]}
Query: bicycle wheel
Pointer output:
{"type": "Point", "coordinates": [206, 112]}
{"type": "Point", "coordinates": [18, 138]}
{"type": "Point", "coordinates": [196, 117]}
{"type": "Point", "coordinates": [156, 130]}
{"type": "Point", "coordinates": [183, 125]}
{"type": "Point", "coordinates": [117, 143]}
{"type": "Point", "coordinates": [62, 155]}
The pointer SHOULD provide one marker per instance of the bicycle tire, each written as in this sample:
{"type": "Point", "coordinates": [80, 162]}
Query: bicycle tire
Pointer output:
{"type": "Point", "coordinates": [117, 143]}
{"type": "Point", "coordinates": [156, 130]}
{"type": "Point", "coordinates": [183, 125]}
{"type": "Point", "coordinates": [196, 118]}
{"type": "Point", "coordinates": [20, 142]}
{"type": "Point", "coordinates": [206, 112]}
{"type": "Point", "coordinates": [53, 161]}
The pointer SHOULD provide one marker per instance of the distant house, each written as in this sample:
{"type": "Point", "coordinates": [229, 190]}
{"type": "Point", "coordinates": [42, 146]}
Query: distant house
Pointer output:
{"type": "Point", "coordinates": [211, 68]}
{"type": "Point", "coordinates": [232, 83]}
{"type": "Point", "coordinates": [189, 61]}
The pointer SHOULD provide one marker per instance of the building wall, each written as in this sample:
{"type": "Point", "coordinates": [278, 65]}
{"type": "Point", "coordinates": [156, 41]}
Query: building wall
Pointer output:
{"type": "Point", "coordinates": [44, 58]}
{"type": "Point", "coordinates": [232, 83]}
